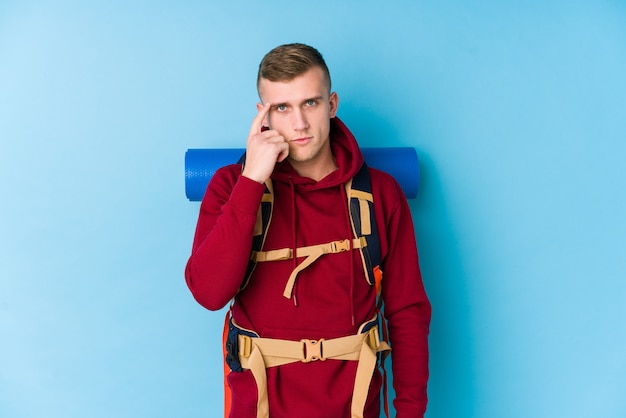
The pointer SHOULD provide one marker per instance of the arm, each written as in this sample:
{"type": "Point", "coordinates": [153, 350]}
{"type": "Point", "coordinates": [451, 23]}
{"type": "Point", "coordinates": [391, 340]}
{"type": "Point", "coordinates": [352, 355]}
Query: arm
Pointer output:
{"type": "Point", "coordinates": [407, 308]}
{"type": "Point", "coordinates": [223, 238]}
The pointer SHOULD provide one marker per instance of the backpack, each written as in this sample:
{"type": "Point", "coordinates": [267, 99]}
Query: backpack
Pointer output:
{"type": "Point", "coordinates": [360, 203]}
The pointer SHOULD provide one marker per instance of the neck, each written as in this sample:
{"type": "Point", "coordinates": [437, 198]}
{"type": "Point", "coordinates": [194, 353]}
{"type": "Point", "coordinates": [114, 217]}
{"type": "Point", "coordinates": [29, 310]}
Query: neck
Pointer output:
{"type": "Point", "coordinates": [317, 169]}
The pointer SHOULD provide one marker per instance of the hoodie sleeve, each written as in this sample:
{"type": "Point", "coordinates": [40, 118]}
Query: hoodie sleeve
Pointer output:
{"type": "Point", "coordinates": [223, 237]}
{"type": "Point", "coordinates": [406, 305]}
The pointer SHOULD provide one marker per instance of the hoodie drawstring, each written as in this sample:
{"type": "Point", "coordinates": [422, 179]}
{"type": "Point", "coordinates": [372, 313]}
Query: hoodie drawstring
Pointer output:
{"type": "Point", "coordinates": [294, 236]}
{"type": "Point", "coordinates": [351, 245]}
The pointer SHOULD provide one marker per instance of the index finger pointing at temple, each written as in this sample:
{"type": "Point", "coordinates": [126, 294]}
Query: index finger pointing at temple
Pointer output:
{"type": "Point", "coordinates": [257, 123]}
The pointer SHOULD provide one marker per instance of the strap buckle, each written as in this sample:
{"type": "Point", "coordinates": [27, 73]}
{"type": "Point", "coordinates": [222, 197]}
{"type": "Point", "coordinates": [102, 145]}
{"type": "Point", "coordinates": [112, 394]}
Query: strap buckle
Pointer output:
{"type": "Point", "coordinates": [245, 345]}
{"type": "Point", "coordinates": [312, 350]}
{"type": "Point", "coordinates": [373, 339]}
{"type": "Point", "coordinates": [340, 246]}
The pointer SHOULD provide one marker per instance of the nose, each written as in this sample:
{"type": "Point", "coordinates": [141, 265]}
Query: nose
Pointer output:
{"type": "Point", "coordinates": [299, 120]}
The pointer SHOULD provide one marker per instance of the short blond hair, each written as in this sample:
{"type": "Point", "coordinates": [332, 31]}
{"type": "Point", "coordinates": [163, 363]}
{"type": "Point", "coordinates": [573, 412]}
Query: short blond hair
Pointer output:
{"type": "Point", "coordinates": [286, 62]}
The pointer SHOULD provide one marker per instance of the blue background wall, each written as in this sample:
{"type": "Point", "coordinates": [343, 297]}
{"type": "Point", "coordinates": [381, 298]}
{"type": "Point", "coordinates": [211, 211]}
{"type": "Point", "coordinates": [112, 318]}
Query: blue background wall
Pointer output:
{"type": "Point", "coordinates": [517, 113]}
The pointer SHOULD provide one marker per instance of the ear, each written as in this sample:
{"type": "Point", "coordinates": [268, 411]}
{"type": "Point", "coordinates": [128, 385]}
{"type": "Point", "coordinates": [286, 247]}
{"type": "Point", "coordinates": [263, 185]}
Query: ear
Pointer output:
{"type": "Point", "coordinates": [334, 104]}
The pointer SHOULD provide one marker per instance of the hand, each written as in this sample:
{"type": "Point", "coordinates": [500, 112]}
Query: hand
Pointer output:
{"type": "Point", "coordinates": [263, 149]}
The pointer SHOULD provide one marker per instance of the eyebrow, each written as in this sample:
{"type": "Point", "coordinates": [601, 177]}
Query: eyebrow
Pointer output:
{"type": "Point", "coordinates": [316, 98]}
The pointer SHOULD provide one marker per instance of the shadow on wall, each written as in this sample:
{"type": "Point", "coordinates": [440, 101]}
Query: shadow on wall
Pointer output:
{"type": "Point", "coordinates": [452, 375]}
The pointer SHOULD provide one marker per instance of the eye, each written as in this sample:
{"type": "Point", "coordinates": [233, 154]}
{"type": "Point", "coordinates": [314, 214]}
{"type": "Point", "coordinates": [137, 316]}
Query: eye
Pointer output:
{"type": "Point", "coordinates": [311, 102]}
{"type": "Point", "coordinates": [281, 108]}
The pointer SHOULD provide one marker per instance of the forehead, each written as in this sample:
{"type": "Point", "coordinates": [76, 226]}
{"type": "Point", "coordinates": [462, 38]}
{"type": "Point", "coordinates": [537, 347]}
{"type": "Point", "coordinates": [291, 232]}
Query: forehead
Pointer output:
{"type": "Point", "coordinates": [305, 86]}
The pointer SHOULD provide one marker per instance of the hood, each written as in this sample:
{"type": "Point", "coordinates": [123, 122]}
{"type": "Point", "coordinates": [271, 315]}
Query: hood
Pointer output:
{"type": "Point", "coordinates": [347, 155]}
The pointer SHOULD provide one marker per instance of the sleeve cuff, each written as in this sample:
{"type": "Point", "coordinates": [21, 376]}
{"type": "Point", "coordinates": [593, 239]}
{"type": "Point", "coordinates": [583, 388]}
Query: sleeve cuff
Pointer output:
{"type": "Point", "coordinates": [246, 195]}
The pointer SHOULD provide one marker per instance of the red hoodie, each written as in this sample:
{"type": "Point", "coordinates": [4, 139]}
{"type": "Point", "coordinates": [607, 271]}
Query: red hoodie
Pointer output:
{"type": "Point", "coordinates": [331, 298]}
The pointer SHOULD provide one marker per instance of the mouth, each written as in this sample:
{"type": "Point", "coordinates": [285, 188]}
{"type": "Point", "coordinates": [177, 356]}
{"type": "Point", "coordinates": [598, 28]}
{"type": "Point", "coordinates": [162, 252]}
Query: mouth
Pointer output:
{"type": "Point", "coordinates": [302, 140]}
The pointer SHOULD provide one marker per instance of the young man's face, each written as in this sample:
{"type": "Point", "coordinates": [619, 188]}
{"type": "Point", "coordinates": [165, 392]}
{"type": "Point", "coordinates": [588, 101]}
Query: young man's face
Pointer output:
{"type": "Point", "coordinates": [301, 111]}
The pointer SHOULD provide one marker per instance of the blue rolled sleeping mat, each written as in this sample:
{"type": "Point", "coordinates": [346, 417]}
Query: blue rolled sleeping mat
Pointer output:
{"type": "Point", "coordinates": [201, 164]}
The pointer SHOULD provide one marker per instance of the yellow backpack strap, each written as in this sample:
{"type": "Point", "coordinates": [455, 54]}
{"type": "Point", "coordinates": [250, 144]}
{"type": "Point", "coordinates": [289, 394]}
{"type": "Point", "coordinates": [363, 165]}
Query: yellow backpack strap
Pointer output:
{"type": "Point", "coordinates": [361, 206]}
{"type": "Point", "coordinates": [257, 354]}
{"type": "Point", "coordinates": [311, 252]}
{"type": "Point", "coordinates": [263, 219]}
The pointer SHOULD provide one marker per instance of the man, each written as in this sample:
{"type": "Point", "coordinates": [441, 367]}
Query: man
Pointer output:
{"type": "Point", "coordinates": [308, 304]}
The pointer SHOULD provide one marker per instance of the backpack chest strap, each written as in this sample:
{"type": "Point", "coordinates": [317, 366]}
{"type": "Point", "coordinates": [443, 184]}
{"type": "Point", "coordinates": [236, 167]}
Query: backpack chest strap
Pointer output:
{"type": "Point", "coordinates": [312, 253]}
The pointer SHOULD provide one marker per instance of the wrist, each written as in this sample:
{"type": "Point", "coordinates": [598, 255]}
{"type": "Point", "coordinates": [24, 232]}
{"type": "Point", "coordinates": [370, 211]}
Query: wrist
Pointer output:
{"type": "Point", "coordinates": [253, 177]}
